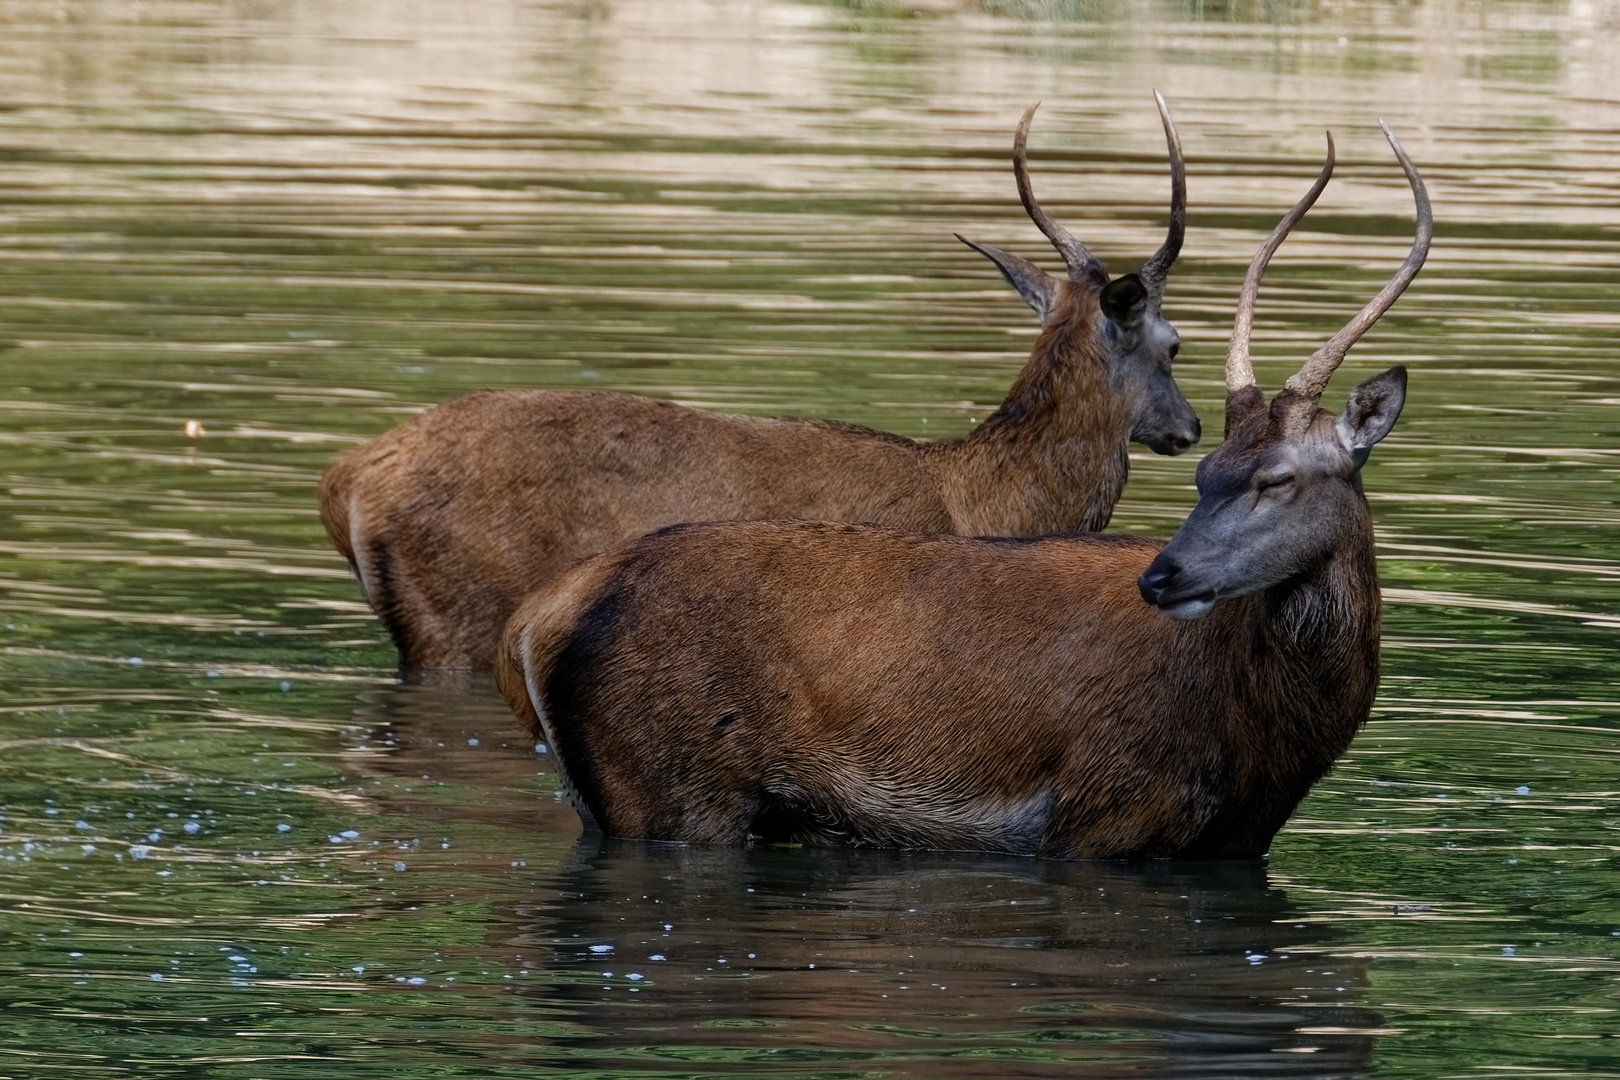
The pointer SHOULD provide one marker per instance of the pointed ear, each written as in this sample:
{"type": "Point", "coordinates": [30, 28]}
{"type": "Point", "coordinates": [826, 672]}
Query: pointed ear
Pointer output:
{"type": "Point", "coordinates": [1371, 412]}
{"type": "Point", "coordinates": [1036, 286]}
{"type": "Point", "coordinates": [1124, 300]}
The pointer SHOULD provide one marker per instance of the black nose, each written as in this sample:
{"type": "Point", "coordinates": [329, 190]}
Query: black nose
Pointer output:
{"type": "Point", "coordinates": [1179, 442]}
{"type": "Point", "coordinates": [1156, 579]}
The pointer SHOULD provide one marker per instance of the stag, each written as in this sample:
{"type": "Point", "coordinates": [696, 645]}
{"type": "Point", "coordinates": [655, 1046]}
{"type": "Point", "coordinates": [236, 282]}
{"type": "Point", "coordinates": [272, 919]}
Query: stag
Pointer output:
{"type": "Point", "coordinates": [824, 682]}
{"type": "Point", "coordinates": [453, 517]}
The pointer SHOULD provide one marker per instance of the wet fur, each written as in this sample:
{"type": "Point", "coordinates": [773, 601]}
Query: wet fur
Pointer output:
{"type": "Point", "coordinates": [845, 683]}
{"type": "Point", "coordinates": [453, 517]}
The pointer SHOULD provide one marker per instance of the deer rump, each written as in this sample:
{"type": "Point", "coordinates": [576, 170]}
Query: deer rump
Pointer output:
{"type": "Point", "coordinates": [928, 691]}
{"type": "Point", "coordinates": [451, 519]}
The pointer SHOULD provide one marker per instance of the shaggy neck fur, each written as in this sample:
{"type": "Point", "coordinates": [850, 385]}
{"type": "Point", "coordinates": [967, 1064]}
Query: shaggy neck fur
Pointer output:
{"type": "Point", "coordinates": [1309, 678]}
{"type": "Point", "coordinates": [1061, 431]}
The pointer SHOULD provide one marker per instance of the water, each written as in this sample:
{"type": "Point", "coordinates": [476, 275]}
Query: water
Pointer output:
{"type": "Point", "coordinates": [233, 845]}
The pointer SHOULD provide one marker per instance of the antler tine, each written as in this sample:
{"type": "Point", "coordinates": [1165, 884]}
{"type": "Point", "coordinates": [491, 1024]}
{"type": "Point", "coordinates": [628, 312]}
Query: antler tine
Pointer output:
{"type": "Point", "coordinates": [1156, 269]}
{"type": "Point", "coordinates": [1313, 378]}
{"type": "Point", "coordinates": [1082, 264]}
{"type": "Point", "coordinates": [1239, 372]}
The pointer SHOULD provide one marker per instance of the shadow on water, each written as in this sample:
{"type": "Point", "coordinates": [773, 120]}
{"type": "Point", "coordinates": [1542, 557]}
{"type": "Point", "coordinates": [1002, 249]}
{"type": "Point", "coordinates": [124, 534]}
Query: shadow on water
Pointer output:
{"type": "Point", "coordinates": [941, 965]}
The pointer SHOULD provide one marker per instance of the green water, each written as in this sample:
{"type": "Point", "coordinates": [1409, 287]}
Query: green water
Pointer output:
{"type": "Point", "coordinates": [233, 845]}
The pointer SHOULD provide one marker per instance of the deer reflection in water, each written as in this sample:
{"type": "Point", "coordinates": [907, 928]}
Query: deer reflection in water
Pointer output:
{"type": "Point", "coordinates": [918, 964]}
{"type": "Point", "coordinates": [942, 965]}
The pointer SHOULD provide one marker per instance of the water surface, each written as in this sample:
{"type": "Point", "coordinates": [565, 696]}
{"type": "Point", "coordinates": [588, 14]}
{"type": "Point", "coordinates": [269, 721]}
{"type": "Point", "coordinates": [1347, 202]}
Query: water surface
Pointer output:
{"type": "Point", "coordinates": [235, 845]}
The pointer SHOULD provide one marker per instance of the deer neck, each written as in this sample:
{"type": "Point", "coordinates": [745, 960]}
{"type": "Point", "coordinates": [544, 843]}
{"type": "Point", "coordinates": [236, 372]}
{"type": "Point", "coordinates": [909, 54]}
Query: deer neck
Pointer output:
{"type": "Point", "coordinates": [1053, 456]}
{"type": "Point", "coordinates": [1307, 681]}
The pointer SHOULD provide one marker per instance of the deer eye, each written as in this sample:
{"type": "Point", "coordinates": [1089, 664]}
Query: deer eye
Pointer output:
{"type": "Point", "coordinates": [1278, 480]}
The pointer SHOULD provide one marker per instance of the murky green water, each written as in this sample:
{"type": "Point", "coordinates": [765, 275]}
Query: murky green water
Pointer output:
{"type": "Point", "coordinates": [233, 846]}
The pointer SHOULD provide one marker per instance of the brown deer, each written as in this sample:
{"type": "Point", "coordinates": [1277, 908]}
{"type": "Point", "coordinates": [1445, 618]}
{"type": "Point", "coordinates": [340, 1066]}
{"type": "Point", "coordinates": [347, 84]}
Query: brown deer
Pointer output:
{"type": "Point", "coordinates": [453, 517]}
{"type": "Point", "coordinates": [823, 682]}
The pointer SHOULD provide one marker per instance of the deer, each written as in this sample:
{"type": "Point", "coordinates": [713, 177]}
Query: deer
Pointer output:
{"type": "Point", "coordinates": [450, 519]}
{"type": "Point", "coordinates": [1080, 697]}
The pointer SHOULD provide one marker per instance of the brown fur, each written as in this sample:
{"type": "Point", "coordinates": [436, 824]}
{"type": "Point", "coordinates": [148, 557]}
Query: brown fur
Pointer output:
{"type": "Point", "coordinates": [451, 518]}
{"type": "Point", "coordinates": [841, 682]}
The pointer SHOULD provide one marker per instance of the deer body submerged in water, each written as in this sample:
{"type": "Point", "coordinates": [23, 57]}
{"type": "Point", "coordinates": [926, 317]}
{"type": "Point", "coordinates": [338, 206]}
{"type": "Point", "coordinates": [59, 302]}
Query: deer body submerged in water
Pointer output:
{"type": "Point", "coordinates": [823, 682]}
{"type": "Point", "coordinates": [453, 517]}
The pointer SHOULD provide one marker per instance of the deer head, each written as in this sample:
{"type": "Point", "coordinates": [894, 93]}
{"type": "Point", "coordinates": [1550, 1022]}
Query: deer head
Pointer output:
{"type": "Point", "coordinates": [1282, 494]}
{"type": "Point", "coordinates": [1138, 341]}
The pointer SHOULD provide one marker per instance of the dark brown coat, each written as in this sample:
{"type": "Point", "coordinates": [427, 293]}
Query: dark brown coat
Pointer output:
{"type": "Point", "coordinates": [821, 682]}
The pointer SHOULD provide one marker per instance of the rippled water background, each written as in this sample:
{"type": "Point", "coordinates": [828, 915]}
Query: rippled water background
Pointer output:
{"type": "Point", "coordinates": [232, 845]}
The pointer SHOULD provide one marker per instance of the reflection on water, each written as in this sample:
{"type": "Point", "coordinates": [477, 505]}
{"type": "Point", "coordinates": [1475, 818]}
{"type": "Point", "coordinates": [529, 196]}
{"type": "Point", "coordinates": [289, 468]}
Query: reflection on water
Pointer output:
{"type": "Point", "coordinates": [239, 237]}
{"type": "Point", "coordinates": [1020, 967]}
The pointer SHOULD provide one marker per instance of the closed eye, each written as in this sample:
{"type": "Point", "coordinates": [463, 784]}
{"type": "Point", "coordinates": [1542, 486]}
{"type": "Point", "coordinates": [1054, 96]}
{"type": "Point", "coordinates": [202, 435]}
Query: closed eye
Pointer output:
{"type": "Point", "coordinates": [1271, 482]}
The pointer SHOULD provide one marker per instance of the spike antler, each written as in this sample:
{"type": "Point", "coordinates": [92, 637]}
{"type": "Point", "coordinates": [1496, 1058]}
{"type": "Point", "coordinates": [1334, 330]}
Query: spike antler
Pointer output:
{"type": "Point", "coordinates": [1313, 378]}
{"type": "Point", "coordinates": [1239, 371]}
{"type": "Point", "coordinates": [1156, 269]}
{"type": "Point", "coordinates": [1082, 264]}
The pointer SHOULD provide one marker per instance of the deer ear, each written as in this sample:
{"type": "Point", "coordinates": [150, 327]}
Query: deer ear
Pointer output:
{"type": "Point", "coordinates": [1036, 286]}
{"type": "Point", "coordinates": [1371, 412]}
{"type": "Point", "coordinates": [1124, 300]}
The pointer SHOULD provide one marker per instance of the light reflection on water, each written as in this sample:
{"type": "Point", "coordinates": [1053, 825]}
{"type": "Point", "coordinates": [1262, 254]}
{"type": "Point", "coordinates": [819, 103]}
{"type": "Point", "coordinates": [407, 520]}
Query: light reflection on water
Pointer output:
{"type": "Point", "coordinates": [296, 225]}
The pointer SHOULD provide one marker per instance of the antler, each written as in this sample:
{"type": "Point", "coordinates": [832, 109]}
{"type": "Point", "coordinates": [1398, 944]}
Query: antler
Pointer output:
{"type": "Point", "coordinates": [1239, 372]}
{"type": "Point", "coordinates": [1312, 379]}
{"type": "Point", "coordinates": [1156, 269]}
{"type": "Point", "coordinates": [1082, 264]}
